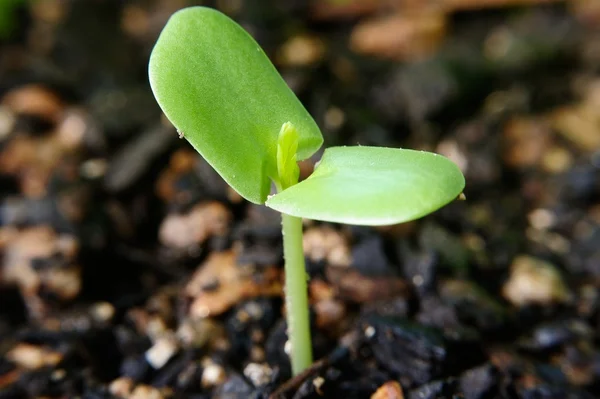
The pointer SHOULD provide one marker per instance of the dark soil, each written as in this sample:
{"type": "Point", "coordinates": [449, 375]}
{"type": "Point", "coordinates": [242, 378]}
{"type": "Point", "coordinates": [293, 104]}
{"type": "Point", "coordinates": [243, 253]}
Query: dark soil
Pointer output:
{"type": "Point", "coordinates": [129, 269]}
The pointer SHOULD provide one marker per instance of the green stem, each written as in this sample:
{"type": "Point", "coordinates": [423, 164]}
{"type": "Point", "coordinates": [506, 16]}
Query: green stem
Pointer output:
{"type": "Point", "coordinates": [296, 296]}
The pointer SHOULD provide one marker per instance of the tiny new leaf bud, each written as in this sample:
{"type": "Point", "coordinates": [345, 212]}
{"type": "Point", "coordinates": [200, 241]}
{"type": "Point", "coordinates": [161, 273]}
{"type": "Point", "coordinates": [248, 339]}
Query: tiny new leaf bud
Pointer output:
{"type": "Point", "coordinates": [287, 165]}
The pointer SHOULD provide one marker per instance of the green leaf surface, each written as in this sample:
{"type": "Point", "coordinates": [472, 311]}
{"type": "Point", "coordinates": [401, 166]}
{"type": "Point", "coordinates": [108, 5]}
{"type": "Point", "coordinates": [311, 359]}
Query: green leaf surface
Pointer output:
{"type": "Point", "coordinates": [219, 89]}
{"type": "Point", "coordinates": [372, 186]}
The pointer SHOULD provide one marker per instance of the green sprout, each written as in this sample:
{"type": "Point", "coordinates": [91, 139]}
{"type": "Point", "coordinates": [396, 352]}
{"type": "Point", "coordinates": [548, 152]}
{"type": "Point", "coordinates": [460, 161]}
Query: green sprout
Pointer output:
{"type": "Point", "coordinates": [221, 92]}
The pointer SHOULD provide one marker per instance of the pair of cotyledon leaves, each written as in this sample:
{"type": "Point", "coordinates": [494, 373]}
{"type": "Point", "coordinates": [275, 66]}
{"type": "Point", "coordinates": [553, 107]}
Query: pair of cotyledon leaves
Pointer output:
{"type": "Point", "coordinates": [216, 85]}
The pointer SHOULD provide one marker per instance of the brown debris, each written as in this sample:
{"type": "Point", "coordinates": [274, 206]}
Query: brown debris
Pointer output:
{"type": "Point", "coordinates": [306, 167]}
{"type": "Point", "coordinates": [202, 332]}
{"type": "Point", "coordinates": [352, 285]}
{"type": "Point", "coordinates": [64, 282]}
{"type": "Point", "coordinates": [580, 123]}
{"type": "Point", "coordinates": [330, 314]}
{"type": "Point", "coordinates": [48, 11]}
{"type": "Point", "coordinates": [587, 11]}
{"type": "Point", "coordinates": [400, 36]}
{"type": "Point", "coordinates": [330, 311]}
{"type": "Point", "coordinates": [327, 10]}
{"type": "Point", "coordinates": [125, 387]}
{"type": "Point", "coordinates": [323, 243]}
{"type": "Point", "coordinates": [102, 312]}
{"type": "Point", "coordinates": [319, 290]}
{"type": "Point", "coordinates": [526, 140]}
{"type": "Point", "coordinates": [7, 122]}
{"type": "Point", "coordinates": [205, 220]}
{"type": "Point", "coordinates": [460, 5]}
{"type": "Point", "coordinates": [451, 149]}
{"type": "Point", "coordinates": [219, 283]}
{"type": "Point", "coordinates": [398, 230]}
{"type": "Point", "coordinates": [135, 21]}
{"type": "Point", "coordinates": [579, 375]}
{"type": "Point", "coordinates": [121, 387]}
{"type": "Point", "coordinates": [22, 248]}
{"type": "Point", "coordinates": [182, 161]}
{"type": "Point", "coordinates": [73, 130]}
{"type": "Point", "coordinates": [502, 359]}
{"type": "Point", "coordinates": [213, 374]}
{"type": "Point", "coordinates": [143, 391]}
{"type": "Point", "coordinates": [578, 364]}
{"type": "Point", "coordinates": [33, 357]}
{"type": "Point", "coordinates": [348, 9]}
{"type": "Point", "coordinates": [389, 390]}
{"type": "Point", "coordinates": [534, 281]}
{"type": "Point", "coordinates": [34, 160]}
{"type": "Point", "coordinates": [143, 22]}
{"type": "Point", "coordinates": [150, 325]}
{"type": "Point", "coordinates": [9, 378]}
{"type": "Point", "coordinates": [259, 374]}
{"type": "Point", "coordinates": [577, 127]}
{"type": "Point", "coordinates": [334, 118]}
{"type": "Point", "coordinates": [557, 159]}
{"type": "Point", "coordinates": [301, 50]}
{"type": "Point", "coordinates": [34, 100]}
{"type": "Point", "coordinates": [162, 351]}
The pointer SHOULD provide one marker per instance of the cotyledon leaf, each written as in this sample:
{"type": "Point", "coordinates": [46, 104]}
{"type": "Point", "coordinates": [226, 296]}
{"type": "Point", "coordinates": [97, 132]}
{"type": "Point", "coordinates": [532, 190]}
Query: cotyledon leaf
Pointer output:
{"type": "Point", "coordinates": [372, 186]}
{"type": "Point", "coordinates": [219, 89]}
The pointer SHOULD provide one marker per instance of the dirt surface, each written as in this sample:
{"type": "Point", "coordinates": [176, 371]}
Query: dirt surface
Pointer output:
{"type": "Point", "coordinates": [129, 269]}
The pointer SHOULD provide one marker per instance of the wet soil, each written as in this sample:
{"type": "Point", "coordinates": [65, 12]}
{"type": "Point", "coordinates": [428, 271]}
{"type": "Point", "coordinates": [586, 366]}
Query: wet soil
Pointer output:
{"type": "Point", "coordinates": [130, 270]}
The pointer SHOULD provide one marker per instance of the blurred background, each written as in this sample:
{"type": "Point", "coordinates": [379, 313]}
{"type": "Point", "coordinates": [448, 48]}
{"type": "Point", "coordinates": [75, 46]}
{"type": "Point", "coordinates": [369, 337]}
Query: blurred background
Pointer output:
{"type": "Point", "coordinates": [129, 269]}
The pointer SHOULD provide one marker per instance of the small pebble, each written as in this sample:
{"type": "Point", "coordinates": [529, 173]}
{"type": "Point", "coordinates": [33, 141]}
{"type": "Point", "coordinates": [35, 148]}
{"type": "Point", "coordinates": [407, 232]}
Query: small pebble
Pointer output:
{"type": "Point", "coordinates": [541, 219]}
{"type": "Point", "coordinates": [257, 354]}
{"type": "Point", "coordinates": [318, 383]}
{"type": "Point", "coordinates": [7, 122]}
{"type": "Point", "coordinates": [162, 351]}
{"type": "Point", "coordinates": [121, 387]}
{"type": "Point", "coordinates": [334, 118]}
{"type": "Point", "coordinates": [557, 159]}
{"type": "Point", "coordinates": [400, 36]}
{"type": "Point", "coordinates": [326, 244]}
{"type": "Point", "coordinates": [35, 100]}
{"type": "Point", "coordinates": [302, 50]}
{"type": "Point", "coordinates": [577, 127]}
{"type": "Point", "coordinates": [93, 168]}
{"type": "Point", "coordinates": [356, 287]}
{"type": "Point", "coordinates": [389, 390]}
{"type": "Point", "coordinates": [201, 332]}
{"type": "Point", "coordinates": [203, 221]}
{"type": "Point", "coordinates": [33, 357]}
{"type": "Point", "coordinates": [146, 392]}
{"type": "Point", "coordinates": [258, 374]}
{"type": "Point", "coordinates": [534, 281]}
{"type": "Point", "coordinates": [526, 141]}
{"type": "Point", "coordinates": [135, 21]}
{"type": "Point", "coordinates": [213, 375]}
{"type": "Point", "coordinates": [330, 314]}
{"type": "Point", "coordinates": [156, 328]}
{"type": "Point", "coordinates": [71, 130]}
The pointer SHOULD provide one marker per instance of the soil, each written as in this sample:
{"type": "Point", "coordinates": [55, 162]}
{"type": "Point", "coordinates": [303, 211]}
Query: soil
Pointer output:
{"type": "Point", "coordinates": [129, 268]}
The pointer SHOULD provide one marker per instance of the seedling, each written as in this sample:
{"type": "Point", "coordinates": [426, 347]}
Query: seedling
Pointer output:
{"type": "Point", "coordinates": [214, 82]}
